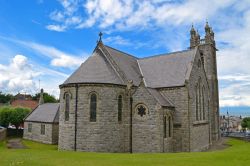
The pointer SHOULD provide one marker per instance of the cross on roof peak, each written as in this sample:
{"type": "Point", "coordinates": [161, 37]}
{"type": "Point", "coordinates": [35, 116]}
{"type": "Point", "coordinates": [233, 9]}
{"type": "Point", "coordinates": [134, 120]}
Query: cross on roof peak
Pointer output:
{"type": "Point", "coordinates": [100, 36]}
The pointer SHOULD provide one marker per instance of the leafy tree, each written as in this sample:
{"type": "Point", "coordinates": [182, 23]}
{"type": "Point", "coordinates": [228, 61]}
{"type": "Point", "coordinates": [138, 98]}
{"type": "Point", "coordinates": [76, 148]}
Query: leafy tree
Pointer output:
{"type": "Point", "coordinates": [5, 98]}
{"type": "Point", "coordinates": [5, 116]}
{"type": "Point", "coordinates": [12, 115]}
{"type": "Point", "coordinates": [17, 115]}
{"type": "Point", "coordinates": [46, 97]}
{"type": "Point", "coordinates": [245, 123]}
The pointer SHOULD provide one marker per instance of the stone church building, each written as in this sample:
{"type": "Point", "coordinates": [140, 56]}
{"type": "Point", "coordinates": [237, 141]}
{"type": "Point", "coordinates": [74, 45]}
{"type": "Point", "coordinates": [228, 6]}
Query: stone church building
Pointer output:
{"type": "Point", "coordinates": [116, 102]}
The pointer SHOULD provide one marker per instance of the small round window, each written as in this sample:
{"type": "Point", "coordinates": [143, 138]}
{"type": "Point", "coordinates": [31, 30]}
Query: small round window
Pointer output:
{"type": "Point", "coordinates": [141, 111]}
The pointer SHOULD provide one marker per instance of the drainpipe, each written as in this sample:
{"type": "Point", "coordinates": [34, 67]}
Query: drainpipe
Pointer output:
{"type": "Point", "coordinates": [131, 124]}
{"type": "Point", "coordinates": [76, 104]}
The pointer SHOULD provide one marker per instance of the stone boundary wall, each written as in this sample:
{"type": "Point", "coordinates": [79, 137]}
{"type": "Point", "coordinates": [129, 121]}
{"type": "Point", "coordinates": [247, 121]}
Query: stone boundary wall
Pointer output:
{"type": "Point", "coordinates": [2, 134]}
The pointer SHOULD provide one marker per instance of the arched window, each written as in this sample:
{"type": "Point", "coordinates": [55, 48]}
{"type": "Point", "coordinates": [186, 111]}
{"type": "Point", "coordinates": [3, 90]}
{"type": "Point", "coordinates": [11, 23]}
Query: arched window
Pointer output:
{"type": "Point", "coordinates": [169, 127]}
{"type": "Point", "coordinates": [165, 127]}
{"type": "Point", "coordinates": [197, 102]}
{"type": "Point", "coordinates": [203, 103]}
{"type": "Point", "coordinates": [67, 106]}
{"type": "Point", "coordinates": [93, 105]}
{"type": "Point", "coordinates": [120, 108]}
{"type": "Point", "coordinates": [200, 101]}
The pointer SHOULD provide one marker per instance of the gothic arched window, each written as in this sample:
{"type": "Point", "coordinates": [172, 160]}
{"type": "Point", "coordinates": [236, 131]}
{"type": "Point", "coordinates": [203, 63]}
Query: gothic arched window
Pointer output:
{"type": "Point", "coordinates": [67, 106]}
{"type": "Point", "coordinates": [197, 102]}
{"type": "Point", "coordinates": [120, 108]}
{"type": "Point", "coordinates": [169, 127]}
{"type": "Point", "coordinates": [93, 106]}
{"type": "Point", "coordinates": [165, 127]}
{"type": "Point", "coordinates": [203, 103]}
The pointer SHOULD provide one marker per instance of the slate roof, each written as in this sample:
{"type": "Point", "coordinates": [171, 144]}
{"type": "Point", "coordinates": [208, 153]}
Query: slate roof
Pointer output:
{"type": "Point", "coordinates": [94, 70]}
{"type": "Point", "coordinates": [127, 63]}
{"type": "Point", "coordinates": [167, 70]}
{"type": "Point", "coordinates": [162, 100]}
{"type": "Point", "coordinates": [108, 65]}
{"type": "Point", "coordinates": [47, 113]}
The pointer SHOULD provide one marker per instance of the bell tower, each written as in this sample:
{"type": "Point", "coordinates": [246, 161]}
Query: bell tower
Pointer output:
{"type": "Point", "coordinates": [207, 48]}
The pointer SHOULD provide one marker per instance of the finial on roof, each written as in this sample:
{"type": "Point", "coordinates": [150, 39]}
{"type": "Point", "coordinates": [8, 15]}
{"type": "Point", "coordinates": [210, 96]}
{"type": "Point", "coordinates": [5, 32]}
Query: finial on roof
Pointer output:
{"type": "Point", "coordinates": [41, 100]}
{"type": "Point", "coordinates": [100, 36]}
{"type": "Point", "coordinates": [207, 28]}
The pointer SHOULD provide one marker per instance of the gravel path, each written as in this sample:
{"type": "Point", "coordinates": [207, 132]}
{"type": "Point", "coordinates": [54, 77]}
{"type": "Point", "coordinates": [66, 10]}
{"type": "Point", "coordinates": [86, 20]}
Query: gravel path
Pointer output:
{"type": "Point", "coordinates": [15, 143]}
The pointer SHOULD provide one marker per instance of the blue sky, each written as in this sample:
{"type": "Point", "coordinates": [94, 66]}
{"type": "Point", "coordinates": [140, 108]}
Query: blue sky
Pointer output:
{"type": "Point", "coordinates": [47, 40]}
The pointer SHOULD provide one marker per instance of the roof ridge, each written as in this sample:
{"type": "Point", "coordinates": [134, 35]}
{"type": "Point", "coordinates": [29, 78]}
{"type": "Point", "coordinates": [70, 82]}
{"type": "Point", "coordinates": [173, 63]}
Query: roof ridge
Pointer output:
{"type": "Point", "coordinates": [122, 52]}
{"type": "Point", "coordinates": [165, 54]}
{"type": "Point", "coordinates": [113, 64]}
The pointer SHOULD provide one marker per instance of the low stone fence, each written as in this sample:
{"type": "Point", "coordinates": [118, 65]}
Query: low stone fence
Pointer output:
{"type": "Point", "coordinates": [238, 135]}
{"type": "Point", "coordinates": [2, 134]}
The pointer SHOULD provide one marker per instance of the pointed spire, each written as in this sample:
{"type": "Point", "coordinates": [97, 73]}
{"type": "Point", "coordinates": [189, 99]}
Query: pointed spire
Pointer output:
{"type": "Point", "coordinates": [41, 100]}
{"type": "Point", "coordinates": [207, 28]}
{"type": "Point", "coordinates": [192, 37]}
{"type": "Point", "coordinates": [192, 31]}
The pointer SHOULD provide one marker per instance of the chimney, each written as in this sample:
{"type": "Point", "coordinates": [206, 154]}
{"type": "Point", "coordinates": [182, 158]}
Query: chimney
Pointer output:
{"type": "Point", "coordinates": [41, 101]}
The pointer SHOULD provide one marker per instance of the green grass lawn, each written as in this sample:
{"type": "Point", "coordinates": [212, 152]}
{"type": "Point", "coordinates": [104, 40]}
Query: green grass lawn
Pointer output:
{"type": "Point", "coordinates": [40, 154]}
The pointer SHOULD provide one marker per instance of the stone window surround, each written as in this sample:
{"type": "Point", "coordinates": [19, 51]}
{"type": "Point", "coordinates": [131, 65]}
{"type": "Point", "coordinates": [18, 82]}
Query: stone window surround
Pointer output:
{"type": "Point", "coordinates": [167, 126]}
{"type": "Point", "coordinates": [136, 112]}
{"type": "Point", "coordinates": [67, 99]}
{"type": "Point", "coordinates": [43, 129]}
{"type": "Point", "coordinates": [96, 106]}
{"type": "Point", "coordinates": [29, 127]}
{"type": "Point", "coordinates": [119, 107]}
{"type": "Point", "coordinates": [200, 113]}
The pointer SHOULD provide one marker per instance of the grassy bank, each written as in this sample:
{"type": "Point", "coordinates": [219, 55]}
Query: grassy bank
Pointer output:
{"type": "Point", "coordinates": [39, 154]}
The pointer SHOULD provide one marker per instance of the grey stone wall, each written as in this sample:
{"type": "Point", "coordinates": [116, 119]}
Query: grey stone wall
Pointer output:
{"type": "Point", "coordinates": [50, 136]}
{"type": "Point", "coordinates": [55, 133]}
{"type": "Point", "coordinates": [210, 64]}
{"type": "Point", "coordinates": [179, 97]}
{"type": "Point", "coordinates": [104, 135]}
{"type": "Point", "coordinates": [200, 137]}
{"type": "Point", "coordinates": [146, 132]}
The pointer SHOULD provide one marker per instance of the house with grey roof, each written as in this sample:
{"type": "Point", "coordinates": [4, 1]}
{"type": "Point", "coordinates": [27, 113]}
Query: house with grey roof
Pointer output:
{"type": "Point", "coordinates": [116, 102]}
{"type": "Point", "coordinates": [42, 124]}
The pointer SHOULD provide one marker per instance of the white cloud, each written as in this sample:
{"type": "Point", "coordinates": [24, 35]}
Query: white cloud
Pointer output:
{"type": "Point", "coordinates": [235, 90]}
{"type": "Point", "coordinates": [58, 57]}
{"type": "Point", "coordinates": [58, 28]}
{"type": "Point", "coordinates": [22, 75]}
{"type": "Point", "coordinates": [233, 61]}
{"type": "Point", "coordinates": [126, 14]}
{"type": "Point", "coordinates": [117, 40]}
{"type": "Point", "coordinates": [18, 75]}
